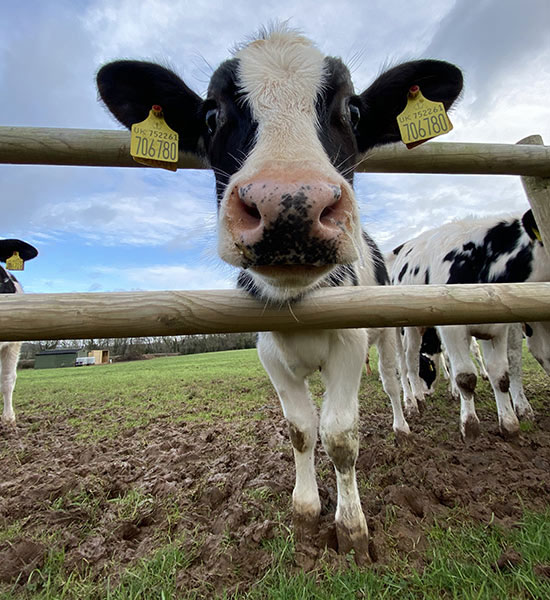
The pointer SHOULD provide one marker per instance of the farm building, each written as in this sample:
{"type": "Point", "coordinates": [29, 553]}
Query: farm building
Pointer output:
{"type": "Point", "coordinates": [101, 356]}
{"type": "Point", "coordinates": [62, 357]}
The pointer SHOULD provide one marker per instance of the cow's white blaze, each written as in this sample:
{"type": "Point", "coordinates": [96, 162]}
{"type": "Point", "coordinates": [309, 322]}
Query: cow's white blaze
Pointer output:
{"type": "Point", "coordinates": [281, 77]}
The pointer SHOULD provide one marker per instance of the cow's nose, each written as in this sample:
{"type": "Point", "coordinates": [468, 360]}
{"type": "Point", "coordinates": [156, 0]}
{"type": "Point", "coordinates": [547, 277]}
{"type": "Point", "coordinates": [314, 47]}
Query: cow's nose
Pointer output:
{"type": "Point", "coordinates": [311, 210]}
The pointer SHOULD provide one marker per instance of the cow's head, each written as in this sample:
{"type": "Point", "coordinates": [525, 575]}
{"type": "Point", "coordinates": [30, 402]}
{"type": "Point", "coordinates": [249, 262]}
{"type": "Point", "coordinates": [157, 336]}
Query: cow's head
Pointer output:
{"type": "Point", "coordinates": [282, 129]}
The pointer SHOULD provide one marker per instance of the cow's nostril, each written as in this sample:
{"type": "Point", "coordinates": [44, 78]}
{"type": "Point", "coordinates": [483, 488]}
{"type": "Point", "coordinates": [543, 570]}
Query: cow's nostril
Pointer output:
{"type": "Point", "coordinates": [331, 215]}
{"type": "Point", "coordinates": [252, 211]}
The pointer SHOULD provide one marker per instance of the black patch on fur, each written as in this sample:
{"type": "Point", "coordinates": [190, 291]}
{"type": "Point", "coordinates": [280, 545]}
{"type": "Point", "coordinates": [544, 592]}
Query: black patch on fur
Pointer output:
{"type": "Point", "coordinates": [380, 271]}
{"type": "Point", "coordinates": [528, 330]}
{"type": "Point", "coordinates": [397, 250]}
{"type": "Point", "coordinates": [402, 272]}
{"type": "Point", "coordinates": [245, 282]}
{"type": "Point", "coordinates": [427, 277]}
{"type": "Point", "coordinates": [342, 275]}
{"type": "Point", "coordinates": [431, 344]}
{"type": "Point", "coordinates": [7, 282]}
{"type": "Point", "coordinates": [426, 370]}
{"type": "Point", "coordinates": [472, 263]}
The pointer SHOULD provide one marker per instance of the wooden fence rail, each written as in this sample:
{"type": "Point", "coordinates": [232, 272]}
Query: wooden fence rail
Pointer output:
{"type": "Point", "coordinates": [109, 148]}
{"type": "Point", "coordinates": [137, 314]}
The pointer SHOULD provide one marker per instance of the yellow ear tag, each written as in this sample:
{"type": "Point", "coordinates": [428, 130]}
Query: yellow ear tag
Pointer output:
{"type": "Point", "coordinates": [153, 143]}
{"type": "Point", "coordinates": [15, 262]}
{"type": "Point", "coordinates": [536, 233]}
{"type": "Point", "coordinates": [422, 119]}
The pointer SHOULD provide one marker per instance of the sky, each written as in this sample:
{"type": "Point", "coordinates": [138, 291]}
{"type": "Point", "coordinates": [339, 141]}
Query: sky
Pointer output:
{"type": "Point", "coordinates": [115, 229]}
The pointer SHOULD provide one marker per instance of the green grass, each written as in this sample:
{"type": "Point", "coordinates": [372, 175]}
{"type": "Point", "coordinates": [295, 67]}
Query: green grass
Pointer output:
{"type": "Point", "coordinates": [460, 564]}
{"type": "Point", "coordinates": [200, 387]}
{"type": "Point", "coordinates": [102, 402]}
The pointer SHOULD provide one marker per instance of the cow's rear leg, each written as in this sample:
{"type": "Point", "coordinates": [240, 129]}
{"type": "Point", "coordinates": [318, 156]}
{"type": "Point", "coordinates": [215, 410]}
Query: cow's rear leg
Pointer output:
{"type": "Point", "coordinates": [302, 419]}
{"type": "Point", "coordinates": [456, 341]}
{"type": "Point", "coordinates": [411, 406]}
{"type": "Point", "coordinates": [339, 434]}
{"type": "Point", "coordinates": [515, 360]}
{"type": "Point", "coordinates": [495, 352]}
{"type": "Point", "coordinates": [413, 342]}
{"type": "Point", "coordinates": [386, 342]}
{"type": "Point", "coordinates": [9, 355]}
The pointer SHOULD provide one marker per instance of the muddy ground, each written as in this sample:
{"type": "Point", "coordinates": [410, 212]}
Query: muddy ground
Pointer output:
{"type": "Point", "coordinates": [221, 490]}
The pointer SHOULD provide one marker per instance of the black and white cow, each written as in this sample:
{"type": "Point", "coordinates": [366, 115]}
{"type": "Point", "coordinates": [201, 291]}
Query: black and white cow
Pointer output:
{"type": "Point", "coordinates": [490, 250]}
{"type": "Point", "coordinates": [283, 129]}
{"type": "Point", "coordinates": [9, 351]}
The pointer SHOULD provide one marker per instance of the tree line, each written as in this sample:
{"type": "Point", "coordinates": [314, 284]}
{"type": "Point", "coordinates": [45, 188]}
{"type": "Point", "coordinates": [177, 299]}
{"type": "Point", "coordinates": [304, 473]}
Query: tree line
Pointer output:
{"type": "Point", "coordinates": [139, 347]}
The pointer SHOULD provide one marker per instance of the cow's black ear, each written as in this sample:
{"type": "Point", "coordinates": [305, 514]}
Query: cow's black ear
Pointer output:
{"type": "Point", "coordinates": [382, 101]}
{"type": "Point", "coordinates": [8, 247]}
{"type": "Point", "coordinates": [130, 88]}
{"type": "Point", "coordinates": [530, 226]}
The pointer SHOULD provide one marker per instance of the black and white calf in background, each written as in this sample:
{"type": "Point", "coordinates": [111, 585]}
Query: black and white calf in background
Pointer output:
{"type": "Point", "coordinates": [282, 128]}
{"type": "Point", "coordinates": [489, 250]}
{"type": "Point", "coordinates": [9, 351]}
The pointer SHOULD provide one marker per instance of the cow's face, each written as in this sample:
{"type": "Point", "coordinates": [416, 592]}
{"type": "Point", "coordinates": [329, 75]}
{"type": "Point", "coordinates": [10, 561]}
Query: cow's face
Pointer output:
{"type": "Point", "coordinates": [282, 129]}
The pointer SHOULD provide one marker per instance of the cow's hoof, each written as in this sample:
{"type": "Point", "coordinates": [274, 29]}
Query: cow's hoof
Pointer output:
{"type": "Point", "coordinates": [470, 429]}
{"type": "Point", "coordinates": [402, 435]}
{"type": "Point", "coordinates": [525, 412]}
{"type": "Point", "coordinates": [356, 541]}
{"type": "Point", "coordinates": [411, 410]}
{"type": "Point", "coordinates": [306, 526]}
{"type": "Point", "coordinates": [509, 430]}
{"type": "Point", "coordinates": [9, 420]}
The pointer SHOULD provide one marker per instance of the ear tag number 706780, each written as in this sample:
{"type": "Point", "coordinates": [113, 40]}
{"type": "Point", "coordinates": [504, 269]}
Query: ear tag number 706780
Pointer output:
{"type": "Point", "coordinates": [153, 143]}
{"type": "Point", "coordinates": [422, 119]}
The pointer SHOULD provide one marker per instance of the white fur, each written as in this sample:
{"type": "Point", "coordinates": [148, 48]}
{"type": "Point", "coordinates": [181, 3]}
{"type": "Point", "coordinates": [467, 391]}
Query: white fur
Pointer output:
{"type": "Point", "coordinates": [281, 77]}
{"type": "Point", "coordinates": [428, 251]}
{"type": "Point", "coordinates": [9, 357]}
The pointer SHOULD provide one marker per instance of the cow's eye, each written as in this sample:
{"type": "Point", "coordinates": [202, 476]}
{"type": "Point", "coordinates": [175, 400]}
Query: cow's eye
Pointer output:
{"type": "Point", "coordinates": [354, 115]}
{"type": "Point", "coordinates": [211, 120]}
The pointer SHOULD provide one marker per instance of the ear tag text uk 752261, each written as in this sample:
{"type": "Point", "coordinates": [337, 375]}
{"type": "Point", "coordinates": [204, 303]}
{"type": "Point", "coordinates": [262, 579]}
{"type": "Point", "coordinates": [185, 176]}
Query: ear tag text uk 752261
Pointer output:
{"type": "Point", "coordinates": [422, 119]}
{"type": "Point", "coordinates": [153, 143]}
{"type": "Point", "coordinates": [15, 262]}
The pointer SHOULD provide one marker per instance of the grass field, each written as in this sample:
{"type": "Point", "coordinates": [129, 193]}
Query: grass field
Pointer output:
{"type": "Point", "coordinates": [172, 478]}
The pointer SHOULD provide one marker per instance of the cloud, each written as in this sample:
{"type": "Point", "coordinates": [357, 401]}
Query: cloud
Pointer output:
{"type": "Point", "coordinates": [169, 277]}
{"type": "Point", "coordinates": [150, 218]}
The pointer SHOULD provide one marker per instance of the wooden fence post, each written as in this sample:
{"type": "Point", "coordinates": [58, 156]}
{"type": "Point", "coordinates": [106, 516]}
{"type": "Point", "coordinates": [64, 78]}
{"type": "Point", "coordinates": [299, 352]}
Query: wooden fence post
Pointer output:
{"type": "Point", "coordinates": [537, 190]}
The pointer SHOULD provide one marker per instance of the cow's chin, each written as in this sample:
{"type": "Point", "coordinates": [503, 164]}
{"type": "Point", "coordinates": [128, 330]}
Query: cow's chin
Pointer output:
{"type": "Point", "coordinates": [288, 282]}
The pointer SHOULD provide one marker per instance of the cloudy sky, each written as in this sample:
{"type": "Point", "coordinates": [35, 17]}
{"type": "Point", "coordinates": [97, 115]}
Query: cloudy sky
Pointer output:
{"type": "Point", "coordinates": [142, 229]}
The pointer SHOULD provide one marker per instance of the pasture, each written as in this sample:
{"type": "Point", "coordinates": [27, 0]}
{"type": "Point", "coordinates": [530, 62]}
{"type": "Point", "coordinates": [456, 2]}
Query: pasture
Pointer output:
{"type": "Point", "coordinates": [172, 478]}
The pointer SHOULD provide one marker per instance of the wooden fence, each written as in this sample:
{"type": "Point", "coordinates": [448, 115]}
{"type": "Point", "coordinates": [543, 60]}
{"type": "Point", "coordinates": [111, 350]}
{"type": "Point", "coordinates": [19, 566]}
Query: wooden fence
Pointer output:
{"type": "Point", "coordinates": [133, 314]}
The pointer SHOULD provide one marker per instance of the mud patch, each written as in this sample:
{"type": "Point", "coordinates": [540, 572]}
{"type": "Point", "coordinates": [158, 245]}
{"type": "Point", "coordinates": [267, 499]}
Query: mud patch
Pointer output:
{"type": "Point", "coordinates": [221, 492]}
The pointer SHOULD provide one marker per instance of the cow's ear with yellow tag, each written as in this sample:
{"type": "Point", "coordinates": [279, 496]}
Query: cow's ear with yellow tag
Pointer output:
{"type": "Point", "coordinates": [153, 143]}
{"type": "Point", "coordinates": [422, 119]}
{"type": "Point", "coordinates": [15, 252]}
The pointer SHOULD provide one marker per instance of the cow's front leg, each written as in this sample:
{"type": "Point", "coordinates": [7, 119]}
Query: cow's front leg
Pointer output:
{"type": "Point", "coordinates": [495, 352]}
{"type": "Point", "coordinates": [386, 342]}
{"type": "Point", "coordinates": [9, 355]}
{"type": "Point", "coordinates": [456, 340]}
{"type": "Point", "coordinates": [339, 434]}
{"type": "Point", "coordinates": [302, 420]}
